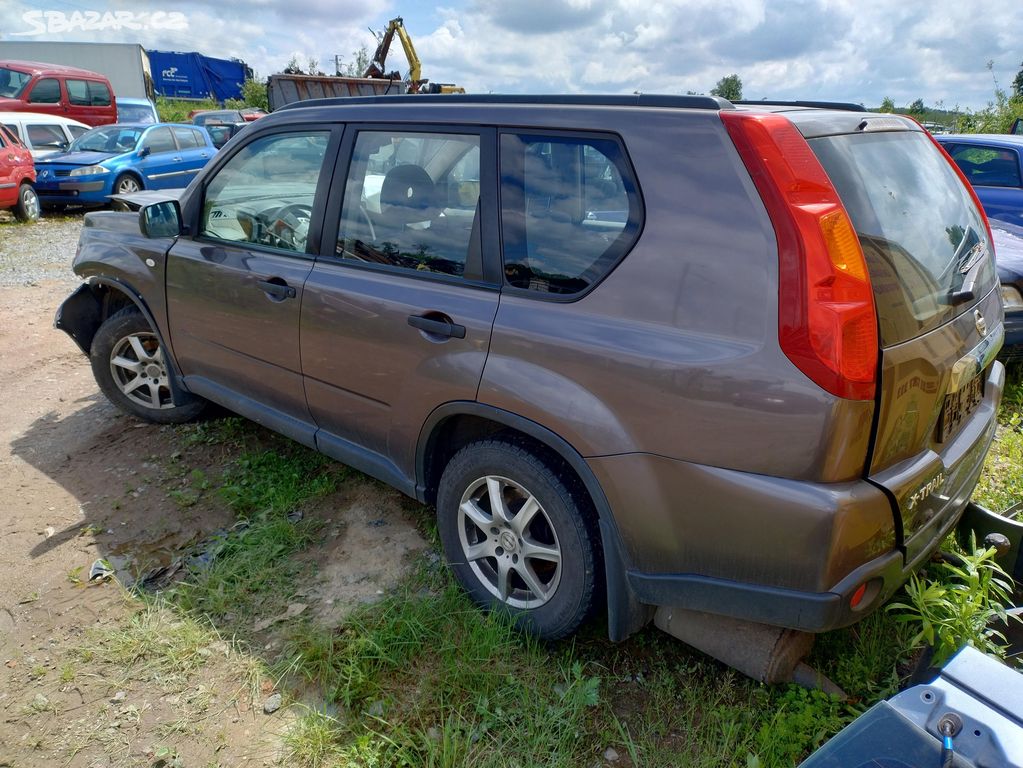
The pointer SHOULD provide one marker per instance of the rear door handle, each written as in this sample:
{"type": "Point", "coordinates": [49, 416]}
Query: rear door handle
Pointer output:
{"type": "Point", "coordinates": [437, 327]}
{"type": "Point", "coordinates": [277, 288]}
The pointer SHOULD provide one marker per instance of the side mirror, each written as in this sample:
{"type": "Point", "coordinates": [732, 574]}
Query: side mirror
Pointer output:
{"type": "Point", "coordinates": [144, 152]}
{"type": "Point", "coordinates": [161, 219]}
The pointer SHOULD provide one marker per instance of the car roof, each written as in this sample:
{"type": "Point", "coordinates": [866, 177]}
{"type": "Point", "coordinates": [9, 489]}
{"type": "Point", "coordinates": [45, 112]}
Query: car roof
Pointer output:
{"type": "Point", "coordinates": [39, 117]}
{"type": "Point", "coordinates": [994, 139]}
{"type": "Point", "coordinates": [40, 68]}
{"type": "Point", "coordinates": [134, 100]}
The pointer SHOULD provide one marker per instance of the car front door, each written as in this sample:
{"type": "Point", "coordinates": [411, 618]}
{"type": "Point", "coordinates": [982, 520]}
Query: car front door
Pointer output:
{"type": "Point", "coordinates": [45, 97]}
{"type": "Point", "coordinates": [396, 320]}
{"type": "Point", "coordinates": [235, 287]}
{"type": "Point", "coordinates": [8, 164]}
{"type": "Point", "coordinates": [193, 150]}
{"type": "Point", "coordinates": [160, 163]}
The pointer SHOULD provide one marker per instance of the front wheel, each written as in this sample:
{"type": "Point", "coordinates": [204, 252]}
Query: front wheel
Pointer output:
{"type": "Point", "coordinates": [27, 207]}
{"type": "Point", "coordinates": [517, 537]}
{"type": "Point", "coordinates": [126, 184]}
{"type": "Point", "coordinates": [131, 370]}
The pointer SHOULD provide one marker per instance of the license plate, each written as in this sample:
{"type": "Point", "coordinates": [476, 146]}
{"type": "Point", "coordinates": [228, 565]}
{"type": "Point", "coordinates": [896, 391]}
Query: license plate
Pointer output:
{"type": "Point", "coordinates": [959, 405]}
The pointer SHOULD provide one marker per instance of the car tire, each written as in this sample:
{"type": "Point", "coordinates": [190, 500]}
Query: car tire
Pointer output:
{"type": "Point", "coordinates": [541, 569]}
{"type": "Point", "coordinates": [27, 208]}
{"type": "Point", "coordinates": [129, 365]}
{"type": "Point", "coordinates": [126, 183]}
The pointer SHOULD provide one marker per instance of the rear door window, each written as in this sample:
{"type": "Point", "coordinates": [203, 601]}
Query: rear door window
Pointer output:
{"type": "Point", "coordinates": [919, 228]}
{"type": "Point", "coordinates": [987, 166]}
{"type": "Point", "coordinates": [186, 139]}
{"type": "Point", "coordinates": [570, 211]}
{"type": "Point", "coordinates": [46, 91]}
{"type": "Point", "coordinates": [99, 94]}
{"type": "Point", "coordinates": [411, 200]}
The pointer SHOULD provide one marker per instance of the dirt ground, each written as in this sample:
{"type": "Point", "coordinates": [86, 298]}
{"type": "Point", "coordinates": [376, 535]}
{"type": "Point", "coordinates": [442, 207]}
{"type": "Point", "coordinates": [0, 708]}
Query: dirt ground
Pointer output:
{"type": "Point", "coordinates": [81, 481]}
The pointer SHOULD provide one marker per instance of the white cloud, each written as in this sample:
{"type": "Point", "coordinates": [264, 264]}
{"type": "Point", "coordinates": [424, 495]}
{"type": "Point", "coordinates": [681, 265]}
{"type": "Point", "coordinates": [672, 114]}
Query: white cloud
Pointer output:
{"type": "Point", "coordinates": [855, 50]}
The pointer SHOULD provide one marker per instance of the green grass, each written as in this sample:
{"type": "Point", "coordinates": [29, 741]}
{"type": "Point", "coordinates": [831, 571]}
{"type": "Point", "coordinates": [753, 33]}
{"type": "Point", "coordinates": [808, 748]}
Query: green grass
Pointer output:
{"type": "Point", "coordinates": [1001, 484]}
{"type": "Point", "coordinates": [423, 678]}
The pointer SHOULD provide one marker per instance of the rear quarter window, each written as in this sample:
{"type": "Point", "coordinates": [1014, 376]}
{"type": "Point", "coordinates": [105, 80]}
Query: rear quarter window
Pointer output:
{"type": "Point", "coordinates": [570, 210]}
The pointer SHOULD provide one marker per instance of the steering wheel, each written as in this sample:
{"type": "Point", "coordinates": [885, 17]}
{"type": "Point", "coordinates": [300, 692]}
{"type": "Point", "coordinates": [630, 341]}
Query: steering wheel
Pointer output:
{"type": "Point", "coordinates": [287, 226]}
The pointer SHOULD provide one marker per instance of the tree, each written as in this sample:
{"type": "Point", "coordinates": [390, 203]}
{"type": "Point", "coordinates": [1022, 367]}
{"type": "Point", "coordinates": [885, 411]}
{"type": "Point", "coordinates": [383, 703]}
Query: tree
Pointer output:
{"type": "Point", "coordinates": [887, 105]}
{"type": "Point", "coordinates": [358, 66]}
{"type": "Point", "coordinates": [728, 88]}
{"type": "Point", "coordinates": [917, 107]}
{"type": "Point", "coordinates": [1017, 84]}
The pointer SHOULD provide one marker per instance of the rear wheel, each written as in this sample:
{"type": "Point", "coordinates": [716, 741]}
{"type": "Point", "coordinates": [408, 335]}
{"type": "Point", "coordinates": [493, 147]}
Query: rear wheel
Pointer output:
{"type": "Point", "coordinates": [126, 184]}
{"type": "Point", "coordinates": [27, 207]}
{"type": "Point", "coordinates": [517, 537]}
{"type": "Point", "coordinates": [131, 369]}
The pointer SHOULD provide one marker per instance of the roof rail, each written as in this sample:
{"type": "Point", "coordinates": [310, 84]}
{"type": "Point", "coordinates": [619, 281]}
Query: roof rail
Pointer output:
{"type": "Point", "coordinates": [846, 106]}
{"type": "Point", "coordinates": [665, 101]}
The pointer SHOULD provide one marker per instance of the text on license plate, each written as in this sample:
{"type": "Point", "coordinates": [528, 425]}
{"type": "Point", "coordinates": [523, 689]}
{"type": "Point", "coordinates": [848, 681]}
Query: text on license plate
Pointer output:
{"type": "Point", "coordinates": [959, 405]}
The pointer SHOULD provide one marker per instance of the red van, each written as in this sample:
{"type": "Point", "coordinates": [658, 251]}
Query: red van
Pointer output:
{"type": "Point", "coordinates": [28, 86]}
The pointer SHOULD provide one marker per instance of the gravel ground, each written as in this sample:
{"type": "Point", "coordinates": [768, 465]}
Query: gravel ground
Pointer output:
{"type": "Point", "coordinates": [38, 252]}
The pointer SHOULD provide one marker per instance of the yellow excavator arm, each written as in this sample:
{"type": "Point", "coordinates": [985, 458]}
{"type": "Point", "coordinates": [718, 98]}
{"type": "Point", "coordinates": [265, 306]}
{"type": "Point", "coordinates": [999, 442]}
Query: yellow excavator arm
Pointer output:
{"type": "Point", "coordinates": [377, 66]}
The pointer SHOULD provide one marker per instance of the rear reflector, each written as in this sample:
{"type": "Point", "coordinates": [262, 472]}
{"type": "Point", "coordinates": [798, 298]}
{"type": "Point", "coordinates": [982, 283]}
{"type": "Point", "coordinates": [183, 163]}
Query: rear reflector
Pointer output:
{"type": "Point", "coordinates": [827, 324]}
{"type": "Point", "coordinates": [857, 596]}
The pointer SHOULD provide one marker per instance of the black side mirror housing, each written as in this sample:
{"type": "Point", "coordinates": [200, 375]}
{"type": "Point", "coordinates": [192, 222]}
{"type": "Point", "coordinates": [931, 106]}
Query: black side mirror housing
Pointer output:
{"type": "Point", "coordinates": [144, 152]}
{"type": "Point", "coordinates": [161, 219]}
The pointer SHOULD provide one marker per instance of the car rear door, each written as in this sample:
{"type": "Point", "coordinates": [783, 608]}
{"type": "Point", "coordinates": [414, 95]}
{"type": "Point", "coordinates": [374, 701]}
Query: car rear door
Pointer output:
{"type": "Point", "coordinates": [193, 151]}
{"type": "Point", "coordinates": [398, 310]}
{"type": "Point", "coordinates": [939, 314]}
{"type": "Point", "coordinates": [235, 287]}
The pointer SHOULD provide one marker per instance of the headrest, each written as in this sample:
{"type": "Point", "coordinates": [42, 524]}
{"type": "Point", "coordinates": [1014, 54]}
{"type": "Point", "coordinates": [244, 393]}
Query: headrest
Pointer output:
{"type": "Point", "coordinates": [407, 195]}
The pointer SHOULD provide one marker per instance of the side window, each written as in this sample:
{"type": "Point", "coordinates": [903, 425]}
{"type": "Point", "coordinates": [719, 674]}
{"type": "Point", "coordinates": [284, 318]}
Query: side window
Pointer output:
{"type": "Point", "coordinates": [159, 140]}
{"type": "Point", "coordinates": [77, 130]}
{"type": "Point", "coordinates": [45, 92]}
{"type": "Point", "coordinates": [185, 137]}
{"type": "Point", "coordinates": [569, 211]}
{"type": "Point", "coordinates": [987, 166]}
{"type": "Point", "coordinates": [46, 136]}
{"type": "Point", "coordinates": [78, 92]}
{"type": "Point", "coordinates": [265, 194]}
{"type": "Point", "coordinates": [99, 94]}
{"type": "Point", "coordinates": [13, 129]}
{"type": "Point", "coordinates": [197, 137]}
{"type": "Point", "coordinates": [410, 200]}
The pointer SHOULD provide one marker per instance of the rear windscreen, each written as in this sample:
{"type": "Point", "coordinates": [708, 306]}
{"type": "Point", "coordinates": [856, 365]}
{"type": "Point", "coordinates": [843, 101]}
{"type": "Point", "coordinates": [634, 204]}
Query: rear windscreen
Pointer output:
{"type": "Point", "coordinates": [921, 234]}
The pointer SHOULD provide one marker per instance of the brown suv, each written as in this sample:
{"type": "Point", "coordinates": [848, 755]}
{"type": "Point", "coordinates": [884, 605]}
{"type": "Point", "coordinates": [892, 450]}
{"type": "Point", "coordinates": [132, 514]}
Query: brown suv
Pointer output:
{"type": "Point", "coordinates": [658, 351]}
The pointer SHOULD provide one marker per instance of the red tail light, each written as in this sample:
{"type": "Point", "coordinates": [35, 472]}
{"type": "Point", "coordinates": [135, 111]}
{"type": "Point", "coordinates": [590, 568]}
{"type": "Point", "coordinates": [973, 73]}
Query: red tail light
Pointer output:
{"type": "Point", "coordinates": [827, 324]}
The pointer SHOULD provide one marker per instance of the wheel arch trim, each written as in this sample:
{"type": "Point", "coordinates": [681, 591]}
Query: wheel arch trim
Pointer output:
{"type": "Point", "coordinates": [625, 614]}
{"type": "Point", "coordinates": [81, 314]}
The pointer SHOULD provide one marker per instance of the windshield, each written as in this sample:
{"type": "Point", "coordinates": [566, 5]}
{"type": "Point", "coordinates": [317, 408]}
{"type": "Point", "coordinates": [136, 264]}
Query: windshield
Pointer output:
{"type": "Point", "coordinates": [12, 82]}
{"type": "Point", "coordinates": [110, 138]}
{"type": "Point", "coordinates": [922, 235]}
{"type": "Point", "coordinates": [135, 113]}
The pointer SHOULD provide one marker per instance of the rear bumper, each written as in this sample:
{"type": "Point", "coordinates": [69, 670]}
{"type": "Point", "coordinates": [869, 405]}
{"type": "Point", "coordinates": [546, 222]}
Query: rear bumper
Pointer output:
{"type": "Point", "coordinates": [777, 551]}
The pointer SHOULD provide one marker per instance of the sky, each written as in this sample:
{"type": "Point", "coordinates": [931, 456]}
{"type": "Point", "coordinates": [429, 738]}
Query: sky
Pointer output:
{"type": "Point", "coordinates": [842, 50]}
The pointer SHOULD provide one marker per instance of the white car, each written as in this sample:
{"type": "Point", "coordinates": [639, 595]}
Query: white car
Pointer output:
{"type": "Point", "coordinates": [43, 134]}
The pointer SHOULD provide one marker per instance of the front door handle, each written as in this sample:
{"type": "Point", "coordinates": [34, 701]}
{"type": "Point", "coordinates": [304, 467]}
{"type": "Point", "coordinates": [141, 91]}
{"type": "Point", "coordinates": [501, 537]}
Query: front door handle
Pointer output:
{"type": "Point", "coordinates": [437, 327]}
{"type": "Point", "coordinates": [277, 288]}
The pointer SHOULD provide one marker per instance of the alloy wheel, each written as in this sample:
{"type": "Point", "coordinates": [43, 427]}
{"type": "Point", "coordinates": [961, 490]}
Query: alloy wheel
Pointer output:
{"type": "Point", "coordinates": [139, 370]}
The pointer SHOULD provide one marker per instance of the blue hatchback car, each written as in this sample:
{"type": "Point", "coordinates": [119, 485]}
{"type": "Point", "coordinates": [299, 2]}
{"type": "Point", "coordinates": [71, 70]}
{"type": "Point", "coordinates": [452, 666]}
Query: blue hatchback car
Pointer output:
{"type": "Point", "coordinates": [991, 162]}
{"type": "Point", "coordinates": [122, 158]}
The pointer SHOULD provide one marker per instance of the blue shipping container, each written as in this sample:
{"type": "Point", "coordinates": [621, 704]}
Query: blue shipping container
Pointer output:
{"type": "Point", "coordinates": [194, 76]}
